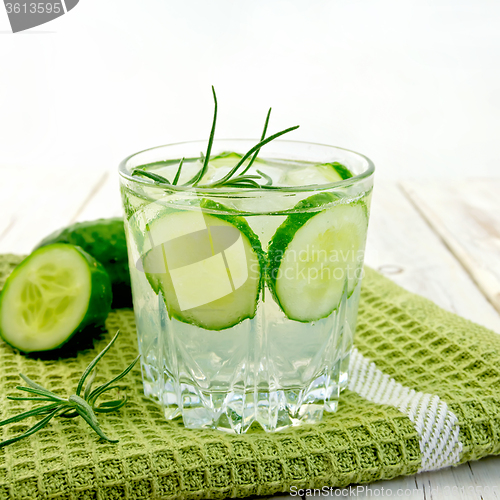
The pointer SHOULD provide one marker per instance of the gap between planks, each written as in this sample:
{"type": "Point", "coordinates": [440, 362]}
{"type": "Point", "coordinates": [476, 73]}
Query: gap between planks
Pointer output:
{"type": "Point", "coordinates": [36, 205]}
{"type": "Point", "coordinates": [466, 216]}
{"type": "Point", "coordinates": [97, 186]}
{"type": "Point", "coordinates": [405, 248]}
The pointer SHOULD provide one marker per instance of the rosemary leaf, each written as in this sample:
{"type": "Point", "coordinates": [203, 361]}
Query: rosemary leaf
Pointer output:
{"type": "Point", "coordinates": [93, 363]}
{"type": "Point", "coordinates": [261, 138]}
{"type": "Point", "coordinates": [265, 176]}
{"type": "Point", "coordinates": [27, 398]}
{"type": "Point", "coordinates": [109, 406]}
{"type": "Point", "coordinates": [32, 384]}
{"type": "Point", "coordinates": [105, 389]}
{"type": "Point", "coordinates": [95, 427]}
{"type": "Point", "coordinates": [245, 183]}
{"type": "Point", "coordinates": [30, 413]}
{"type": "Point", "coordinates": [88, 386]}
{"type": "Point", "coordinates": [159, 179]}
{"type": "Point", "coordinates": [178, 174]}
{"type": "Point", "coordinates": [229, 180]}
{"type": "Point", "coordinates": [197, 178]}
{"type": "Point", "coordinates": [43, 393]}
{"type": "Point", "coordinates": [99, 390]}
{"type": "Point", "coordinates": [238, 177]}
{"type": "Point", "coordinates": [116, 403]}
{"type": "Point", "coordinates": [39, 425]}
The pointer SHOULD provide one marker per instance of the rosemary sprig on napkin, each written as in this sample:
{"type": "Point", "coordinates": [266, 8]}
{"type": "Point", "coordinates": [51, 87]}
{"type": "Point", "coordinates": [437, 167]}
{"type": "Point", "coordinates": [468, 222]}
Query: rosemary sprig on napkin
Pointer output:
{"type": "Point", "coordinates": [80, 404]}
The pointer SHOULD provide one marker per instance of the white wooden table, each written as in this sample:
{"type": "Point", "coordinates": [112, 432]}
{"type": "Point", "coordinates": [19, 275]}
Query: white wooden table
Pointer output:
{"type": "Point", "coordinates": [438, 239]}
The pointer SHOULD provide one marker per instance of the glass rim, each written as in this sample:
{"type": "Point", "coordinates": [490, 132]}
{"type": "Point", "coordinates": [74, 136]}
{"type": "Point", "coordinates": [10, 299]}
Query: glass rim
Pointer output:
{"type": "Point", "coordinates": [122, 170]}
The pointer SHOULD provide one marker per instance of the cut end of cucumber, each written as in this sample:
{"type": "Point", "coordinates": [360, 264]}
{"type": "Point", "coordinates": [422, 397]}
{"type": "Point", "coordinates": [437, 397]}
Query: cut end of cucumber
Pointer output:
{"type": "Point", "coordinates": [46, 298]}
{"type": "Point", "coordinates": [104, 239]}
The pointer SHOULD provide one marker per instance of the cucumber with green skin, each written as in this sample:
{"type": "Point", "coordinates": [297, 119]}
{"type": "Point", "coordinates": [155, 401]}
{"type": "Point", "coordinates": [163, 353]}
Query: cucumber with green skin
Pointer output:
{"type": "Point", "coordinates": [314, 256]}
{"type": "Point", "coordinates": [315, 174]}
{"type": "Point", "coordinates": [104, 239]}
{"type": "Point", "coordinates": [225, 213]}
{"type": "Point", "coordinates": [207, 265]}
{"type": "Point", "coordinates": [52, 295]}
{"type": "Point", "coordinates": [342, 170]}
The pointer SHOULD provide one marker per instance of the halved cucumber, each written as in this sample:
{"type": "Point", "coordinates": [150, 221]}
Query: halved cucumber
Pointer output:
{"type": "Point", "coordinates": [105, 240]}
{"type": "Point", "coordinates": [51, 295]}
{"type": "Point", "coordinates": [314, 256]}
{"type": "Point", "coordinates": [206, 266]}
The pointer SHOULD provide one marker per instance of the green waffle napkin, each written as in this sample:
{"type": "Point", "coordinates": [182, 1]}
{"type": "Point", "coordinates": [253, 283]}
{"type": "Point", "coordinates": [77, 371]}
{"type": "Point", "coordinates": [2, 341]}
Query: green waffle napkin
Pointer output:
{"type": "Point", "coordinates": [424, 393]}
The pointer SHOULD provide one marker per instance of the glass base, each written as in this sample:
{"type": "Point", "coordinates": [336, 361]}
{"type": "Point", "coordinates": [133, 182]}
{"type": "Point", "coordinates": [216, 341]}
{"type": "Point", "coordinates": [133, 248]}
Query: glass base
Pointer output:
{"type": "Point", "coordinates": [235, 411]}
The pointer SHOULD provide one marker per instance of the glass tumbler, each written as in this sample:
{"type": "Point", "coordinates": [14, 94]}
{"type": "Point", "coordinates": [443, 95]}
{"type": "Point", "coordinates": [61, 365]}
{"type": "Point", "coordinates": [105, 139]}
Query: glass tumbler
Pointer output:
{"type": "Point", "coordinates": [246, 298]}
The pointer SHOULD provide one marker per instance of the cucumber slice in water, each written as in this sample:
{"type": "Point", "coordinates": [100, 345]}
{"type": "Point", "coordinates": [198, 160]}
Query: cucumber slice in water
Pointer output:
{"type": "Point", "coordinates": [342, 170]}
{"type": "Point", "coordinates": [315, 174]}
{"type": "Point", "coordinates": [221, 164]}
{"type": "Point", "coordinates": [206, 266]}
{"type": "Point", "coordinates": [51, 295]}
{"type": "Point", "coordinates": [230, 159]}
{"type": "Point", "coordinates": [314, 256]}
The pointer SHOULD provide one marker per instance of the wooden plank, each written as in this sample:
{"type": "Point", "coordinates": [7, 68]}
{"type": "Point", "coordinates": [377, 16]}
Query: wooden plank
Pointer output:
{"type": "Point", "coordinates": [459, 483]}
{"type": "Point", "coordinates": [105, 202]}
{"type": "Point", "coordinates": [403, 246]}
{"type": "Point", "coordinates": [486, 473]}
{"type": "Point", "coordinates": [466, 215]}
{"type": "Point", "coordinates": [281, 496]}
{"type": "Point", "coordinates": [401, 487]}
{"type": "Point", "coordinates": [37, 203]}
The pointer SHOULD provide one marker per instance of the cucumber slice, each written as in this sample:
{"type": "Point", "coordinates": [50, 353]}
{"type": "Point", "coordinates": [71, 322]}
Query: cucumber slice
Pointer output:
{"type": "Point", "coordinates": [230, 159]}
{"type": "Point", "coordinates": [206, 266]}
{"type": "Point", "coordinates": [51, 295]}
{"type": "Point", "coordinates": [225, 159]}
{"type": "Point", "coordinates": [342, 170]}
{"type": "Point", "coordinates": [314, 255]}
{"type": "Point", "coordinates": [221, 164]}
{"type": "Point", "coordinates": [315, 174]}
{"type": "Point", "coordinates": [104, 239]}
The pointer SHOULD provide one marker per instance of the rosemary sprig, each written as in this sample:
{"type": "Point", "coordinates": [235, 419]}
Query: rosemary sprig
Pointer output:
{"type": "Point", "coordinates": [223, 180]}
{"type": "Point", "coordinates": [77, 404]}
{"type": "Point", "coordinates": [230, 179]}
{"type": "Point", "coordinates": [265, 176]}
